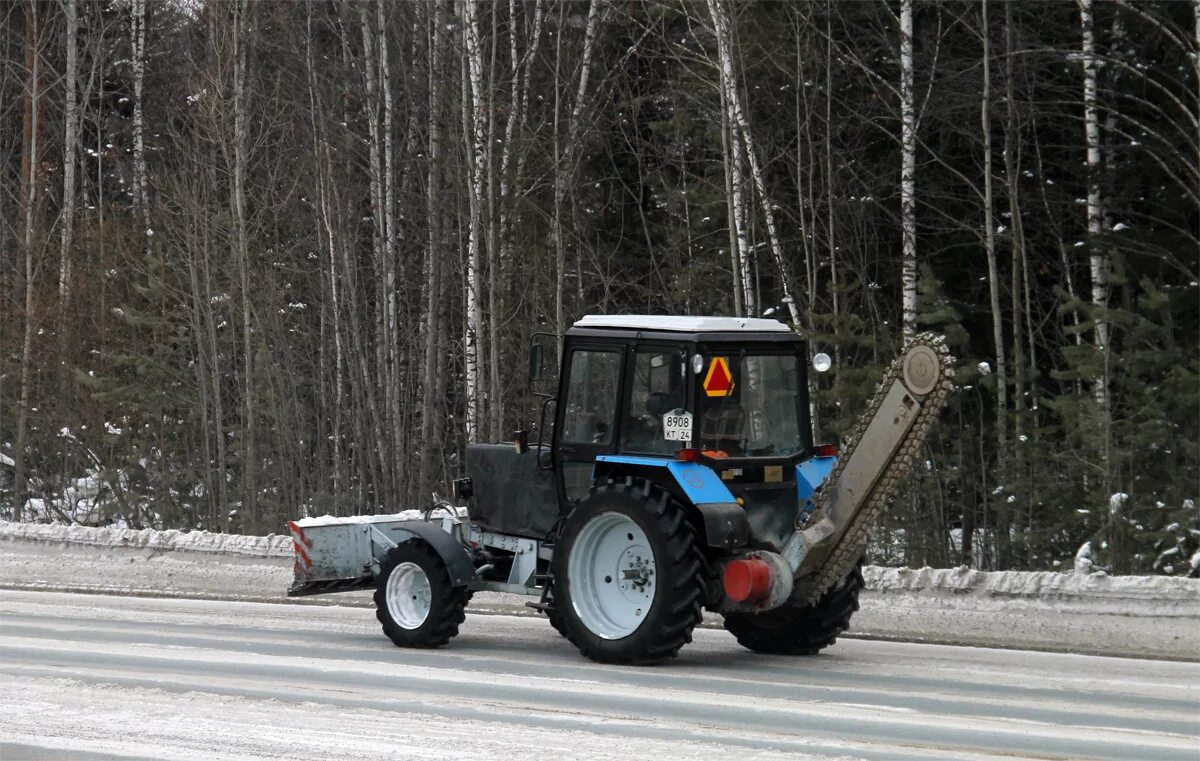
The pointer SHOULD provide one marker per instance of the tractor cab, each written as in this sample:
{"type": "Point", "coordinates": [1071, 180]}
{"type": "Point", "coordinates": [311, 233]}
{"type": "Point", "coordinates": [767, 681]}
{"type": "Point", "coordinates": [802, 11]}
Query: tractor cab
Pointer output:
{"type": "Point", "coordinates": [729, 392]}
{"type": "Point", "coordinates": [711, 410]}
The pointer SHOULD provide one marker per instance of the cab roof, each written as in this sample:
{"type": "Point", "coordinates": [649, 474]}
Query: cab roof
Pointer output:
{"type": "Point", "coordinates": [683, 324]}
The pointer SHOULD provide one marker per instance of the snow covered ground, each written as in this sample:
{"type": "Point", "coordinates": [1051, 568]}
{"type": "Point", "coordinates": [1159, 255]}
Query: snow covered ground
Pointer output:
{"type": "Point", "coordinates": [1152, 617]}
{"type": "Point", "coordinates": [99, 677]}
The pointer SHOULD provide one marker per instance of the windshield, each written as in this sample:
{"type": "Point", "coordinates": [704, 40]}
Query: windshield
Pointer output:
{"type": "Point", "coordinates": [750, 405]}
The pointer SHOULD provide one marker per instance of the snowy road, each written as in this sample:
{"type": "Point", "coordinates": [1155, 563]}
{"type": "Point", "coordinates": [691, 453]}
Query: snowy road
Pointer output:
{"type": "Point", "coordinates": [95, 676]}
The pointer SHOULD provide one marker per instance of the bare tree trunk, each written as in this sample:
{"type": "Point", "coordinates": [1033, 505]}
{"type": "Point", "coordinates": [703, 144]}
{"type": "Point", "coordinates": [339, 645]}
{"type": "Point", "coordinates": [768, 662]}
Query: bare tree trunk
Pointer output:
{"type": "Point", "coordinates": [830, 233]}
{"type": "Point", "coordinates": [323, 166]}
{"type": "Point", "coordinates": [735, 183]}
{"type": "Point", "coordinates": [1095, 211]}
{"type": "Point", "coordinates": [737, 252]}
{"type": "Point", "coordinates": [1022, 331]}
{"type": "Point", "coordinates": [476, 160]}
{"type": "Point", "coordinates": [431, 433]}
{"type": "Point", "coordinates": [565, 163]}
{"type": "Point", "coordinates": [242, 241]}
{"type": "Point", "coordinates": [390, 335]}
{"type": "Point", "coordinates": [375, 374]}
{"type": "Point", "coordinates": [526, 77]}
{"type": "Point", "coordinates": [989, 243]}
{"type": "Point", "coordinates": [908, 169]}
{"type": "Point", "coordinates": [556, 223]}
{"type": "Point", "coordinates": [137, 40]}
{"type": "Point", "coordinates": [495, 405]}
{"type": "Point", "coordinates": [30, 182]}
{"type": "Point", "coordinates": [217, 378]}
{"type": "Point", "coordinates": [199, 306]}
{"type": "Point", "coordinates": [741, 130]}
{"type": "Point", "coordinates": [70, 140]}
{"type": "Point", "coordinates": [509, 180]}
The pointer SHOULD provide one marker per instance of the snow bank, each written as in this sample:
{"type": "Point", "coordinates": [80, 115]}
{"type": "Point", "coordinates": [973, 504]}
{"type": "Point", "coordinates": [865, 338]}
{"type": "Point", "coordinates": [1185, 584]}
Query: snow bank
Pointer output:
{"type": "Point", "coordinates": [1045, 585]}
{"type": "Point", "coordinates": [1168, 591]}
{"type": "Point", "coordinates": [271, 545]}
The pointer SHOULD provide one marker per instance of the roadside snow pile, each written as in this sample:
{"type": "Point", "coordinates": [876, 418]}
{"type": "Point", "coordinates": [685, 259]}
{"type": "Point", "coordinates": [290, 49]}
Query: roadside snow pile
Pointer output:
{"type": "Point", "coordinates": [1174, 595]}
{"type": "Point", "coordinates": [1167, 595]}
{"type": "Point", "coordinates": [271, 545]}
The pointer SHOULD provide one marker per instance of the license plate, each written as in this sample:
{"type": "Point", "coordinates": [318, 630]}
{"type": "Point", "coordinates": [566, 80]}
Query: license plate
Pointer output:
{"type": "Point", "coordinates": [677, 426]}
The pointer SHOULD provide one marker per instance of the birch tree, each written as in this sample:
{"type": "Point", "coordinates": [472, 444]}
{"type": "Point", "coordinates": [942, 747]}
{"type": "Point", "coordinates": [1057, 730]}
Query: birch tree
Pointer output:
{"type": "Point", "coordinates": [1098, 259]}
{"type": "Point", "coordinates": [741, 133]}
{"type": "Point", "coordinates": [1095, 211]}
{"type": "Point", "coordinates": [908, 170]}
{"type": "Point", "coordinates": [476, 166]}
{"type": "Point", "coordinates": [137, 42]}
{"type": "Point", "coordinates": [745, 303]}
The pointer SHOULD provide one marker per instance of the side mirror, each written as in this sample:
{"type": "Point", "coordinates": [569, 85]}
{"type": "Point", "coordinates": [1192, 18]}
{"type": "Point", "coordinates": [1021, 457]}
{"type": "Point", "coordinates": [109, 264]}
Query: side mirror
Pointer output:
{"type": "Point", "coordinates": [543, 378]}
{"type": "Point", "coordinates": [535, 362]}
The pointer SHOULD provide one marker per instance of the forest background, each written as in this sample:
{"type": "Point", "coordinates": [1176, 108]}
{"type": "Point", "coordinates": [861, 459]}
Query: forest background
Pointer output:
{"type": "Point", "coordinates": [266, 259]}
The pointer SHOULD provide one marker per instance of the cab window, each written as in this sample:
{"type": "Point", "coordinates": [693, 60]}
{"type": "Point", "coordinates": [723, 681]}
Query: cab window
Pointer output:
{"type": "Point", "coordinates": [658, 387]}
{"type": "Point", "coordinates": [592, 387]}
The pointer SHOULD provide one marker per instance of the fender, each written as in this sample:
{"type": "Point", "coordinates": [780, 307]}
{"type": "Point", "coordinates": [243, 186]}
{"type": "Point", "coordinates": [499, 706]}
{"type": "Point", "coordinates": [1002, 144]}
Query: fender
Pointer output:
{"type": "Point", "coordinates": [452, 553]}
{"type": "Point", "coordinates": [810, 474]}
{"type": "Point", "coordinates": [725, 523]}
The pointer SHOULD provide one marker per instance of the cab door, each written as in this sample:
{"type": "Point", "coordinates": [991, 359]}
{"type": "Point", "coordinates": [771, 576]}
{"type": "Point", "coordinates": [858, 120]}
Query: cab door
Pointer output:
{"type": "Point", "coordinates": [587, 414]}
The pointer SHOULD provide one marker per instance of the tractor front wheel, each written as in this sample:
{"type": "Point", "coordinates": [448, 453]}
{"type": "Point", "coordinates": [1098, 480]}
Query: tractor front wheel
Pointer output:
{"type": "Point", "coordinates": [415, 599]}
{"type": "Point", "coordinates": [628, 581]}
{"type": "Point", "coordinates": [798, 628]}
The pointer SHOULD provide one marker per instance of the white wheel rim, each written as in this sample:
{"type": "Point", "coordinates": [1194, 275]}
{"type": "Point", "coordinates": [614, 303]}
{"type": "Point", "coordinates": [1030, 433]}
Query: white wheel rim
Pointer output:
{"type": "Point", "coordinates": [611, 576]}
{"type": "Point", "coordinates": [408, 595]}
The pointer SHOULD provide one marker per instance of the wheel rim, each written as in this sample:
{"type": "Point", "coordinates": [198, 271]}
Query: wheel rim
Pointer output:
{"type": "Point", "coordinates": [408, 595]}
{"type": "Point", "coordinates": [611, 576]}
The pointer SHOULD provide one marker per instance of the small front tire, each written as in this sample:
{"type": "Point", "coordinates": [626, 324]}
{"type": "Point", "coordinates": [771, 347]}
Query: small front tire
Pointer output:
{"type": "Point", "coordinates": [415, 600]}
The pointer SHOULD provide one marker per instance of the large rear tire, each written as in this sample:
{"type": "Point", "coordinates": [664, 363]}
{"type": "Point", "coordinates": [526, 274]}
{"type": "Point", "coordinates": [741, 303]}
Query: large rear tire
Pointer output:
{"type": "Point", "coordinates": [415, 599]}
{"type": "Point", "coordinates": [628, 582]}
{"type": "Point", "coordinates": [797, 628]}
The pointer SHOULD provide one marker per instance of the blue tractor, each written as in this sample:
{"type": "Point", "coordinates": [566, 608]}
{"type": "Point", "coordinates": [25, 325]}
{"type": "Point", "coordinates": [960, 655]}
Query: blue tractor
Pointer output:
{"type": "Point", "coordinates": [679, 474]}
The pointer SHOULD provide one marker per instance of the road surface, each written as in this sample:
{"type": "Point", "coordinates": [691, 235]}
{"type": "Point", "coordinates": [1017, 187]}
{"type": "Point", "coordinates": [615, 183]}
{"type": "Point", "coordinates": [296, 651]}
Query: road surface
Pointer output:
{"type": "Point", "coordinates": [96, 677]}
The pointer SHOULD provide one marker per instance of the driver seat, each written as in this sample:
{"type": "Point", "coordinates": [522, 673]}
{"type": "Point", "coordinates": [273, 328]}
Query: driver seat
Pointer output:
{"type": "Point", "coordinates": [722, 429]}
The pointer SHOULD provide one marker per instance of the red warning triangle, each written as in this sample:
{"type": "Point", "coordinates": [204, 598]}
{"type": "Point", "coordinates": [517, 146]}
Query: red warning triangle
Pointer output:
{"type": "Point", "coordinates": [719, 380]}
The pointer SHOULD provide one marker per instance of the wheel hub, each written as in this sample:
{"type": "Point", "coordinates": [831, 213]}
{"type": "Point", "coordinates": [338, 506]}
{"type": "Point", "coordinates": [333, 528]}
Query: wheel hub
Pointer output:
{"type": "Point", "coordinates": [409, 597]}
{"type": "Point", "coordinates": [611, 576]}
{"type": "Point", "coordinates": [637, 574]}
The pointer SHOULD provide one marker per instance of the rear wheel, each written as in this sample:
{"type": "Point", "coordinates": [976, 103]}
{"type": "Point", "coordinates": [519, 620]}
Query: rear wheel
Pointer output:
{"type": "Point", "coordinates": [628, 583]}
{"type": "Point", "coordinates": [414, 598]}
{"type": "Point", "coordinates": [796, 628]}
